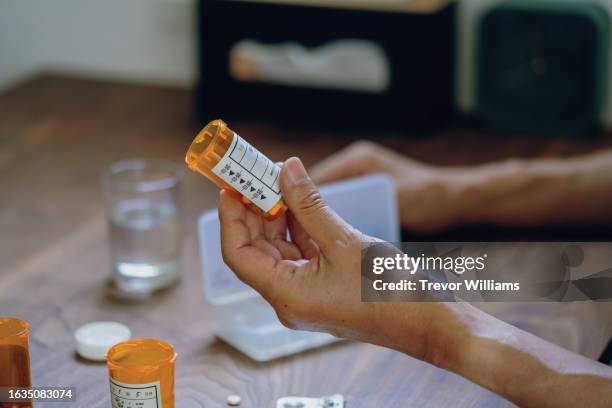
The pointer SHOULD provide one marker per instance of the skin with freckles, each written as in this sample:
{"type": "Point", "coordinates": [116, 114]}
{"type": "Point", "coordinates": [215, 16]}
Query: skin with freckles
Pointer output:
{"type": "Point", "coordinates": [312, 281]}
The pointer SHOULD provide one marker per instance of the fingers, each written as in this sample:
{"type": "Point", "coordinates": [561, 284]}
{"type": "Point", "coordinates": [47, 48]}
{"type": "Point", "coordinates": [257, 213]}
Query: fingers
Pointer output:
{"type": "Point", "coordinates": [276, 233]}
{"type": "Point", "coordinates": [255, 225]}
{"type": "Point", "coordinates": [288, 250]}
{"type": "Point", "coordinates": [232, 217]}
{"type": "Point", "coordinates": [248, 262]}
{"type": "Point", "coordinates": [275, 229]}
{"type": "Point", "coordinates": [271, 237]}
{"type": "Point", "coordinates": [319, 221]}
{"type": "Point", "coordinates": [336, 167]}
{"type": "Point", "coordinates": [353, 161]}
{"type": "Point", "coordinates": [306, 245]}
{"type": "Point", "coordinates": [297, 249]}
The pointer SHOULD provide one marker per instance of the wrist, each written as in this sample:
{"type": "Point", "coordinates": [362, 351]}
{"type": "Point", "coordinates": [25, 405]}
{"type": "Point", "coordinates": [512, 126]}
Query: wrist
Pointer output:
{"type": "Point", "coordinates": [477, 193]}
{"type": "Point", "coordinates": [515, 191]}
{"type": "Point", "coordinates": [487, 354]}
{"type": "Point", "coordinates": [428, 200]}
{"type": "Point", "coordinates": [429, 331]}
{"type": "Point", "coordinates": [467, 193]}
{"type": "Point", "coordinates": [450, 335]}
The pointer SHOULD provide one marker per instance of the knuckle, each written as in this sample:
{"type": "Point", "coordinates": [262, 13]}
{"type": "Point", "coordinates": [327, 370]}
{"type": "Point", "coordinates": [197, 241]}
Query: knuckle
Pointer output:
{"type": "Point", "coordinates": [350, 238]}
{"type": "Point", "coordinates": [311, 200]}
{"type": "Point", "coordinates": [366, 152]}
{"type": "Point", "coordinates": [363, 146]}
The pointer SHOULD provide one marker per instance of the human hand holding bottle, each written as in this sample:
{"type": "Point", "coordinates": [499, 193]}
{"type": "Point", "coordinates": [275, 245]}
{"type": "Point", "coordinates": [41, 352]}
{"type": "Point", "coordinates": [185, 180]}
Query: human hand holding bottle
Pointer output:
{"type": "Point", "coordinates": [313, 282]}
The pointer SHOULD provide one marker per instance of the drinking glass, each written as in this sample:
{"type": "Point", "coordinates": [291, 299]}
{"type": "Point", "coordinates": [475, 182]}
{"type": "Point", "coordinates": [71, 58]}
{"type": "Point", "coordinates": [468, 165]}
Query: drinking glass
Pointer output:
{"type": "Point", "coordinates": [142, 198]}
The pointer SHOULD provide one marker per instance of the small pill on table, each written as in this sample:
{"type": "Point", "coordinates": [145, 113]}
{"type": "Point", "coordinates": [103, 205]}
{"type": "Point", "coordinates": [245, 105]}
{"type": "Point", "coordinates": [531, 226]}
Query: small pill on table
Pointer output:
{"type": "Point", "coordinates": [233, 400]}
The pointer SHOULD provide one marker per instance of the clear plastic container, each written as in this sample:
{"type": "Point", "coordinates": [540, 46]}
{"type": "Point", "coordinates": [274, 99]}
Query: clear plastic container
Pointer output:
{"type": "Point", "coordinates": [244, 319]}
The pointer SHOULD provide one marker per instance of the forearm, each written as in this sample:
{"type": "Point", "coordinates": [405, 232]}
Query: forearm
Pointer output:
{"type": "Point", "coordinates": [517, 365]}
{"type": "Point", "coordinates": [537, 191]}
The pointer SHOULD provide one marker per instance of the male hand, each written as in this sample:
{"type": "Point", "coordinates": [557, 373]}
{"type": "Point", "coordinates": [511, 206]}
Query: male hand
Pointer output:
{"type": "Point", "coordinates": [313, 280]}
{"type": "Point", "coordinates": [423, 190]}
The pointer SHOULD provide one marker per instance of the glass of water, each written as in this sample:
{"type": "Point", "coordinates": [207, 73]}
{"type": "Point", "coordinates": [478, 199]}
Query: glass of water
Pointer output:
{"type": "Point", "coordinates": [143, 206]}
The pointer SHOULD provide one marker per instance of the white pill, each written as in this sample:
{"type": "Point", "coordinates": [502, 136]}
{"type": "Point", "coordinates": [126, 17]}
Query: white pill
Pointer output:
{"type": "Point", "coordinates": [233, 400]}
{"type": "Point", "coordinates": [94, 339]}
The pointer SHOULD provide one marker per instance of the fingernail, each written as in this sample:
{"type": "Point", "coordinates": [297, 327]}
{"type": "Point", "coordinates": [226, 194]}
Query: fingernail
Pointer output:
{"type": "Point", "coordinates": [295, 170]}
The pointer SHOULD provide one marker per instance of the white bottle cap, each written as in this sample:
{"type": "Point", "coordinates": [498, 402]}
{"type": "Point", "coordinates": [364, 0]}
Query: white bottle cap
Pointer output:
{"type": "Point", "coordinates": [94, 339]}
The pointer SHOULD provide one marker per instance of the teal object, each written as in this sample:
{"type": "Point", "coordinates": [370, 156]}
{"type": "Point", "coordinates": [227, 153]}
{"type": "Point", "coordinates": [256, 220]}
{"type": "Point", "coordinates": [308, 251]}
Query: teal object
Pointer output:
{"type": "Point", "coordinates": [542, 66]}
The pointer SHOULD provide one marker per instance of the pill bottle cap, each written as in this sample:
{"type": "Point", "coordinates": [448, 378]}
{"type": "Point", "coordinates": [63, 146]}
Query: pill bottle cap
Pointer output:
{"type": "Point", "coordinates": [94, 339]}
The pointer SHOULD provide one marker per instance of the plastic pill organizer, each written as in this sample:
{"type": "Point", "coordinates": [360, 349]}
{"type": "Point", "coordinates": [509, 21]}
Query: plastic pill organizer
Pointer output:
{"type": "Point", "coordinates": [244, 319]}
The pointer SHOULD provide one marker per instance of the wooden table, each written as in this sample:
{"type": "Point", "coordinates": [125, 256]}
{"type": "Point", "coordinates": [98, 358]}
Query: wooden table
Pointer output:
{"type": "Point", "coordinates": [56, 136]}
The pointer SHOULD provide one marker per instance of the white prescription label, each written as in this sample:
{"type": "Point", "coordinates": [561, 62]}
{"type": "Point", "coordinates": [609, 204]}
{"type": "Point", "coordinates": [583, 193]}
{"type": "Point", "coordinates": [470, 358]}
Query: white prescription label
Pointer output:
{"type": "Point", "coordinates": [251, 173]}
{"type": "Point", "coordinates": [135, 395]}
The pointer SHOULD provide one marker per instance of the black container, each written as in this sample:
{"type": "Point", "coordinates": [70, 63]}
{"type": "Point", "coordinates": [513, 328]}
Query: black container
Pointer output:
{"type": "Point", "coordinates": [419, 47]}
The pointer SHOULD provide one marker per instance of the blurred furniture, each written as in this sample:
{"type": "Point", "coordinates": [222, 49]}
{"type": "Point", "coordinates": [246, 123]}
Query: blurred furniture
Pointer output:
{"type": "Point", "coordinates": [57, 134]}
{"type": "Point", "coordinates": [543, 65]}
{"type": "Point", "coordinates": [275, 58]}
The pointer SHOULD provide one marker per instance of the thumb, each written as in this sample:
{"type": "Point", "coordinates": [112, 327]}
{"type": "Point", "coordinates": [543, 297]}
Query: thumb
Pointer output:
{"type": "Point", "coordinates": [317, 219]}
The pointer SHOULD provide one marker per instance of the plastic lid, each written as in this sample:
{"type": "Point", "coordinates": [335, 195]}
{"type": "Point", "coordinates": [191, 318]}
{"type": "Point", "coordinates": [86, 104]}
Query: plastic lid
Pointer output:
{"type": "Point", "coordinates": [94, 339]}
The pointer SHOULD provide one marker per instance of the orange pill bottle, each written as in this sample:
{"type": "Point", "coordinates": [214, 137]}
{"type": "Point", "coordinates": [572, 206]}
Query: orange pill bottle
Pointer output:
{"type": "Point", "coordinates": [14, 357]}
{"type": "Point", "coordinates": [237, 167]}
{"type": "Point", "coordinates": [141, 374]}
